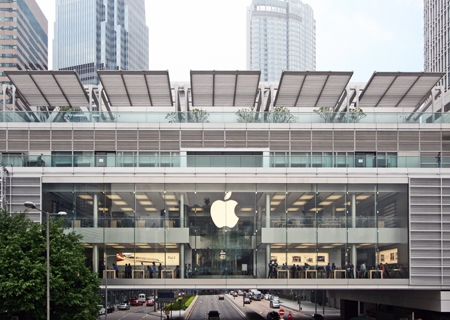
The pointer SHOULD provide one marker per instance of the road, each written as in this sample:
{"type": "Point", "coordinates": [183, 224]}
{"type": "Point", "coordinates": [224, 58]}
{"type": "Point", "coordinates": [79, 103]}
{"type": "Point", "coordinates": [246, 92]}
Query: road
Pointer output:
{"type": "Point", "coordinates": [230, 309]}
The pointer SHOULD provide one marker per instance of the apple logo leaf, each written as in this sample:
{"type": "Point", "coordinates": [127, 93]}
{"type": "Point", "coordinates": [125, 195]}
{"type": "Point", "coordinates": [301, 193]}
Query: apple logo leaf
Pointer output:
{"type": "Point", "coordinates": [227, 195]}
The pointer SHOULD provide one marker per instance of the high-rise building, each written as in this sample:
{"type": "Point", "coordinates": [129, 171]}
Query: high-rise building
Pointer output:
{"type": "Point", "coordinates": [23, 39]}
{"type": "Point", "coordinates": [436, 38]}
{"type": "Point", "coordinates": [281, 36]}
{"type": "Point", "coordinates": [93, 35]}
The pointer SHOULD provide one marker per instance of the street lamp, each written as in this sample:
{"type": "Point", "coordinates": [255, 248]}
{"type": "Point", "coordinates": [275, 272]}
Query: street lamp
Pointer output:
{"type": "Point", "coordinates": [106, 283]}
{"type": "Point", "coordinates": [31, 205]}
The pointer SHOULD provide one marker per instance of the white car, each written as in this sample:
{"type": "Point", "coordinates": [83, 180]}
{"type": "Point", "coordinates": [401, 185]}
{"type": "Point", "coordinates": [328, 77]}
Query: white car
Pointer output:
{"type": "Point", "coordinates": [275, 303]}
{"type": "Point", "coordinates": [123, 306]}
{"type": "Point", "coordinates": [102, 310]}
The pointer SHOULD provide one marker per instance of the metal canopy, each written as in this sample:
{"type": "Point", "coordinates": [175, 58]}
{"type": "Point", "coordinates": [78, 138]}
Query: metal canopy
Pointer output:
{"type": "Point", "coordinates": [137, 88]}
{"type": "Point", "coordinates": [224, 88]}
{"type": "Point", "coordinates": [311, 88]}
{"type": "Point", "coordinates": [398, 89]}
{"type": "Point", "coordinates": [49, 88]}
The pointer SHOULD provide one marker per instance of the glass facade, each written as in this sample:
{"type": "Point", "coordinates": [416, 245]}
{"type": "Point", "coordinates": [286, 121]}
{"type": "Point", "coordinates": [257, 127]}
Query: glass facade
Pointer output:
{"type": "Point", "coordinates": [236, 230]}
{"type": "Point", "coordinates": [93, 35]}
{"type": "Point", "coordinates": [282, 36]}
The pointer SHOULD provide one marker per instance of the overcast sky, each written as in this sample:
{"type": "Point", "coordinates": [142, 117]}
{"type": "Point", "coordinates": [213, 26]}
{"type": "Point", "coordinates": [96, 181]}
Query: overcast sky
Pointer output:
{"type": "Point", "coordinates": [352, 35]}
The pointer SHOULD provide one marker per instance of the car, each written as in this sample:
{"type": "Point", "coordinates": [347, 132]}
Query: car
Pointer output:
{"type": "Point", "coordinates": [240, 293]}
{"type": "Point", "coordinates": [247, 301]}
{"type": "Point", "coordinates": [110, 308]}
{"type": "Point", "coordinates": [275, 303]}
{"type": "Point", "coordinates": [273, 315]}
{"type": "Point", "coordinates": [267, 296]}
{"type": "Point", "coordinates": [150, 303]}
{"type": "Point", "coordinates": [235, 294]}
{"type": "Point", "coordinates": [214, 315]}
{"type": "Point", "coordinates": [123, 306]}
{"type": "Point", "coordinates": [231, 293]}
{"type": "Point", "coordinates": [102, 310]}
{"type": "Point", "coordinates": [317, 316]}
{"type": "Point", "coordinates": [221, 297]}
{"type": "Point", "coordinates": [136, 303]}
{"type": "Point", "coordinates": [257, 297]}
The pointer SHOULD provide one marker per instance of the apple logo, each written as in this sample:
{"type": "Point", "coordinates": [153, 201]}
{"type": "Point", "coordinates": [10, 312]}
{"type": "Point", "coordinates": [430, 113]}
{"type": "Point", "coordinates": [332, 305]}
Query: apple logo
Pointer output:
{"type": "Point", "coordinates": [222, 212]}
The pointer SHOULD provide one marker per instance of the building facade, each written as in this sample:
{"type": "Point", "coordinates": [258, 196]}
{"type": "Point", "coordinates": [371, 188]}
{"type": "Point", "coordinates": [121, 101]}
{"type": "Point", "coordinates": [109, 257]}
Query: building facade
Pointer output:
{"type": "Point", "coordinates": [93, 35]}
{"type": "Point", "coordinates": [210, 177]}
{"type": "Point", "coordinates": [281, 35]}
{"type": "Point", "coordinates": [23, 39]}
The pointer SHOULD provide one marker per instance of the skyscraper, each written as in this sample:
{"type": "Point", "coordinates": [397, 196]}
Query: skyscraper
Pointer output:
{"type": "Point", "coordinates": [436, 38]}
{"type": "Point", "coordinates": [23, 38]}
{"type": "Point", "coordinates": [281, 36]}
{"type": "Point", "coordinates": [93, 35]}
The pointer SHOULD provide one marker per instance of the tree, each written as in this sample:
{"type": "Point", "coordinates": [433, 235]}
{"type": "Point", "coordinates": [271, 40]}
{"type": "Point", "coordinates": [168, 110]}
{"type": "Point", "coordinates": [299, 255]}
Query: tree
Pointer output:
{"type": "Point", "coordinates": [23, 271]}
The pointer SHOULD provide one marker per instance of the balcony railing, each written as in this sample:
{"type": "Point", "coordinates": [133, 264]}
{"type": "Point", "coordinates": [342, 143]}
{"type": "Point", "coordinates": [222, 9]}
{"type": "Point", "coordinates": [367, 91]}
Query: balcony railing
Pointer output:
{"type": "Point", "coordinates": [251, 161]}
{"type": "Point", "coordinates": [222, 117]}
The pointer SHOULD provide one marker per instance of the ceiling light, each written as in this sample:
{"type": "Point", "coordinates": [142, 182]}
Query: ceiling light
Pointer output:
{"type": "Point", "coordinates": [340, 209]}
{"type": "Point", "coordinates": [127, 209]}
{"type": "Point", "coordinates": [146, 203]}
{"type": "Point", "coordinates": [275, 203]}
{"type": "Point", "coordinates": [325, 203]}
{"type": "Point", "coordinates": [141, 196]}
{"type": "Point", "coordinates": [316, 209]}
{"type": "Point", "coordinates": [119, 247]}
{"type": "Point", "coordinates": [196, 209]}
{"type": "Point", "coordinates": [334, 197]}
{"type": "Point", "coordinates": [113, 196]}
{"type": "Point", "coordinates": [308, 244]}
{"type": "Point", "coordinates": [299, 203]}
{"type": "Point", "coordinates": [293, 209]}
{"type": "Point", "coordinates": [139, 244]}
{"type": "Point", "coordinates": [168, 196]}
{"type": "Point", "coordinates": [103, 209]}
{"type": "Point", "coordinates": [112, 244]}
{"type": "Point", "coordinates": [120, 203]}
{"type": "Point", "coordinates": [150, 209]}
{"type": "Point", "coordinates": [174, 209]}
{"type": "Point", "coordinates": [90, 202]}
{"type": "Point", "coordinates": [306, 197]}
{"type": "Point", "coordinates": [363, 197]}
{"type": "Point", "coordinates": [327, 247]}
{"type": "Point", "coordinates": [171, 203]}
{"type": "Point", "coordinates": [247, 209]}
{"type": "Point", "coordinates": [279, 197]}
{"type": "Point", "coordinates": [337, 244]}
{"type": "Point", "coordinates": [145, 247]}
{"type": "Point", "coordinates": [85, 196]}
{"type": "Point", "coordinates": [276, 247]}
{"type": "Point", "coordinates": [301, 247]}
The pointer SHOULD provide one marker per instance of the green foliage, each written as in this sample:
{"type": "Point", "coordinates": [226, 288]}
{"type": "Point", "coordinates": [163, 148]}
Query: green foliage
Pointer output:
{"type": "Point", "coordinates": [23, 271]}
{"type": "Point", "coordinates": [351, 116]}
{"type": "Point", "coordinates": [195, 116]}
{"type": "Point", "coordinates": [68, 108]}
{"type": "Point", "coordinates": [182, 303]}
{"type": "Point", "coordinates": [278, 115]}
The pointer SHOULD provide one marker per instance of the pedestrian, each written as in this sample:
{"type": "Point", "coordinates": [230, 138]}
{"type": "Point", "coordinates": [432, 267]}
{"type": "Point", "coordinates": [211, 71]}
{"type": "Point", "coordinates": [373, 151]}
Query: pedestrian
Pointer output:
{"type": "Point", "coordinates": [177, 272]}
{"type": "Point", "coordinates": [327, 268]}
{"type": "Point", "coordinates": [189, 270]}
{"type": "Point", "coordinates": [185, 271]}
{"type": "Point", "coordinates": [40, 162]}
{"type": "Point", "coordinates": [116, 269]}
{"type": "Point", "coordinates": [160, 271]}
{"type": "Point", "coordinates": [363, 270]}
{"type": "Point", "coordinates": [438, 158]}
{"type": "Point", "coordinates": [154, 270]}
{"type": "Point", "coordinates": [293, 269]}
{"type": "Point", "coordinates": [150, 271]}
{"type": "Point", "coordinates": [351, 273]}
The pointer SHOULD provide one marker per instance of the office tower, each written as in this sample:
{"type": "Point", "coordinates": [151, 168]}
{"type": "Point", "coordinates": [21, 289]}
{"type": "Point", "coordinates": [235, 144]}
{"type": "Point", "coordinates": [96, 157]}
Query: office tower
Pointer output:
{"type": "Point", "coordinates": [281, 35]}
{"type": "Point", "coordinates": [436, 38]}
{"type": "Point", "coordinates": [23, 39]}
{"type": "Point", "coordinates": [93, 35]}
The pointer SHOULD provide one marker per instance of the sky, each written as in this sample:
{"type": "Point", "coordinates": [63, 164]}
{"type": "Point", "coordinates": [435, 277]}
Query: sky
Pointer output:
{"type": "Point", "coordinates": [362, 36]}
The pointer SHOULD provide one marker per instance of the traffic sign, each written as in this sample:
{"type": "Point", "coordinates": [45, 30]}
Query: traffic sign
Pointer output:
{"type": "Point", "coordinates": [281, 312]}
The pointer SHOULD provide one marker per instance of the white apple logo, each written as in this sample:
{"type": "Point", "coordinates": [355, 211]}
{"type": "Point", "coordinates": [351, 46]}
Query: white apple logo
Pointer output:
{"type": "Point", "coordinates": [222, 212]}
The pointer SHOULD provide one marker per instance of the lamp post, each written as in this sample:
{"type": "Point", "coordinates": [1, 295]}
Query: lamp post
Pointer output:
{"type": "Point", "coordinates": [31, 205]}
{"type": "Point", "coordinates": [106, 284]}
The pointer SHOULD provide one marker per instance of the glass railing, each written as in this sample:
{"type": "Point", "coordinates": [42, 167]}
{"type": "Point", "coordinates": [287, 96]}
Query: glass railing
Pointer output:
{"type": "Point", "coordinates": [253, 161]}
{"type": "Point", "coordinates": [124, 222]}
{"type": "Point", "coordinates": [223, 117]}
{"type": "Point", "coordinates": [335, 222]}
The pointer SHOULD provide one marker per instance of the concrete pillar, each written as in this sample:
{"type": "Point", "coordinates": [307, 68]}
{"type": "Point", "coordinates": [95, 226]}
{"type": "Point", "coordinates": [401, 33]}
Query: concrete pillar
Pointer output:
{"type": "Point", "coordinates": [95, 258]}
{"type": "Point", "coordinates": [353, 253]}
{"type": "Point", "coordinates": [95, 210]}
{"type": "Point", "coordinates": [182, 275]}
{"type": "Point", "coordinates": [182, 222]}
{"type": "Point", "coordinates": [267, 210]}
{"type": "Point", "coordinates": [182, 225]}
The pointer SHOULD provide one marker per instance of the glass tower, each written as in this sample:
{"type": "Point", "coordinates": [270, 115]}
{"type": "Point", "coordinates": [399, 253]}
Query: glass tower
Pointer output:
{"type": "Point", "coordinates": [436, 38]}
{"type": "Point", "coordinates": [23, 37]}
{"type": "Point", "coordinates": [281, 36]}
{"type": "Point", "coordinates": [93, 35]}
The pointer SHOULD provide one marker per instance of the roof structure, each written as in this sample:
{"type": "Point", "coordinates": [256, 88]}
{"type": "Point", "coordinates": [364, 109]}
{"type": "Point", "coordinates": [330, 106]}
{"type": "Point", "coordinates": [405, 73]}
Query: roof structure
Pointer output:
{"type": "Point", "coordinates": [49, 88]}
{"type": "Point", "coordinates": [136, 88]}
{"type": "Point", "coordinates": [224, 88]}
{"type": "Point", "coordinates": [311, 88]}
{"type": "Point", "coordinates": [398, 89]}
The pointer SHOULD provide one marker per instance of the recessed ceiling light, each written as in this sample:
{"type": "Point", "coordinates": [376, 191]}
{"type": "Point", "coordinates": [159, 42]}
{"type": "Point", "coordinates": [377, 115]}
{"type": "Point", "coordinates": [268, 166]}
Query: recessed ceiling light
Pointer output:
{"type": "Point", "coordinates": [306, 197]}
{"type": "Point", "coordinates": [145, 247]}
{"type": "Point", "coordinates": [276, 247]}
{"type": "Point", "coordinates": [247, 209]}
{"type": "Point", "coordinates": [127, 209]}
{"type": "Point", "coordinates": [171, 203]}
{"type": "Point", "coordinates": [340, 209]}
{"type": "Point", "coordinates": [141, 196]}
{"type": "Point", "coordinates": [275, 203]}
{"type": "Point", "coordinates": [299, 203]}
{"type": "Point", "coordinates": [334, 197]}
{"type": "Point", "coordinates": [316, 209]}
{"type": "Point", "coordinates": [279, 197]}
{"type": "Point", "coordinates": [301, 247]}
{"type": "Point", "coordinates": [146, 203]}
{"type": "Point", "coordinates": [363, 197]}
{"type": "Point", "coordinates": [150, 209]}
{"type": "Point", "coordinates": [90, 202]}
{"type": "Point", "coordinates": [168, 196]}
{"type": "Point", "coordinates": [112, 244]}
{"type": "Point", "coordinates": [327, 247]}
{"type": "Point", "coordinates": [119, 247]}
{"type": "Point", "coordinates": [113, 196]}
{"type": "Point", "coordinates": [120, 203]}
{"type": "Point", "coordinates": [103, 209]}
{"type": "Point", "coordinates": [197, 209]}
{"type": "Point", "coordinates": [325, 203]}
{"type": "Point", "coordinates": [174, 209]}
{"type": "Point", "coordinates": [85, 196]}
{"type": "Point", "coordinates": [293, 209]}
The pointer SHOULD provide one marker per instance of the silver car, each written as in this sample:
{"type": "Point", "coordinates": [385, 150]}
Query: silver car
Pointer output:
{"type": "Point", "coordinates": [275, 303]}
{"type": "Point", "coordinates": [123, 306]}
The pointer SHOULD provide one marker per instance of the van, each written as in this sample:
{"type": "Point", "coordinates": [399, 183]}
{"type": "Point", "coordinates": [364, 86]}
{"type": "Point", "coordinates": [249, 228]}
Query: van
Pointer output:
{"type": "Point", "coordinates": [141, 297]}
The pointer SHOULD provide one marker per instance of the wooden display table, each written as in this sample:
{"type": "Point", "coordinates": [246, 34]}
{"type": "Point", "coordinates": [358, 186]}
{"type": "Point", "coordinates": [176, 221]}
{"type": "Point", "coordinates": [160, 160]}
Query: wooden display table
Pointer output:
{"type": "Point", "coordinates": [376, 271]}
{"type": "Point", "coordinates": [283, 274]}
{"type": "Point", "coordinates": [140, 274]}
{"type": "Point", "coordinates": [165, 274]}
{"type": "Point", "coordinates": [107, 273]}
{"type": "Point", "coordinates": [340, 271]}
